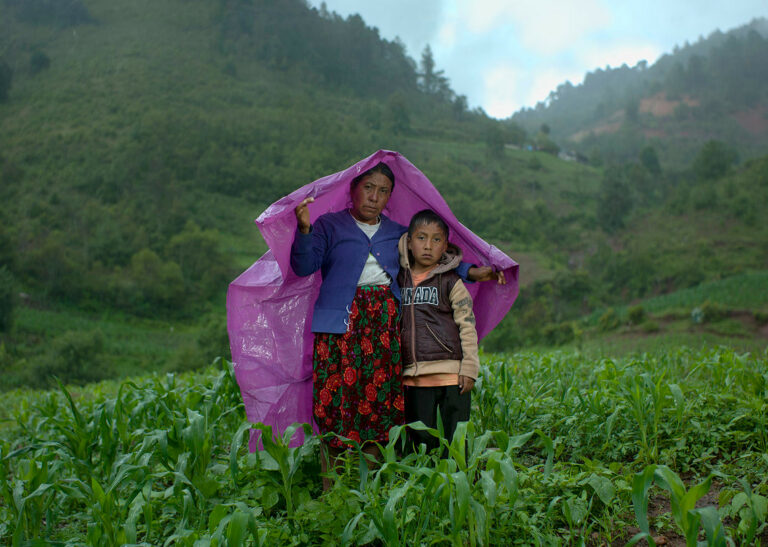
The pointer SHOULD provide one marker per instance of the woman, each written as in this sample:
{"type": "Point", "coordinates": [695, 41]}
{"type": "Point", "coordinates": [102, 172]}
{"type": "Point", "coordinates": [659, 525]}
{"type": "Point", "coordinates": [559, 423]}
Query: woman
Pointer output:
{"type": "Point", "coordinates": [357, 389]}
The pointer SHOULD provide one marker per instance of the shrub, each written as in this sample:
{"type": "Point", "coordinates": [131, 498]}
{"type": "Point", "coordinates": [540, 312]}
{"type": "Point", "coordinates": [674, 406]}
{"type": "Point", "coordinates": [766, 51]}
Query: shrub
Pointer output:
{"type": "Point", "coordinates": [534, 163]}
{"type": "Point", "coordinates": [7, 299]}
{"type": "Point", "coordinates": [761, 317]}
{"type": "Point", "coordinates": [72, 358]}
{"type": "Point", "coordinates": [713, 312]}
{"type": "Point", "coordinates": [212, 342]}
{"type": "Point", "coordinates": [6, 77]}
{"type": "Point", "coordinates": [609, 320]}
{"type": "Point", "coordinates": [636, 314]}
{"type": "Point", "coordinates": [556, 334]}
{"type": "Point", "coordinates": [39, 61]}
{"type": "Point", "coordinates": [650, 326]}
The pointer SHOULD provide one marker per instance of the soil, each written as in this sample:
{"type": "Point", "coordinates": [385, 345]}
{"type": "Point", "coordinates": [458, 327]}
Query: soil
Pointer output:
{"type": "Point", "coordinates": [754, 120]}
{"type": "Point", "coordinates": [659, 505]}
{"type": "Point", "coordinates": [659, 106]}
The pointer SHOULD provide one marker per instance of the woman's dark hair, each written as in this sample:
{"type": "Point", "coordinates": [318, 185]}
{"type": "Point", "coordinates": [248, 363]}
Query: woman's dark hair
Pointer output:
{"type": "Point", "coordinates": [380, 167]}
{"type": "Point", "coordinates": [427, 216]}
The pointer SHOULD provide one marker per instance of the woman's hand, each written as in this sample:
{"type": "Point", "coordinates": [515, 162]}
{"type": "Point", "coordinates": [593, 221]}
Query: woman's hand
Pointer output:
{"type": "Point", "coordinates": [302, 215]}
{"type": "Point", "coordinates": [466, 384]}
{"type": "Point", "coordinates": [486, 273]}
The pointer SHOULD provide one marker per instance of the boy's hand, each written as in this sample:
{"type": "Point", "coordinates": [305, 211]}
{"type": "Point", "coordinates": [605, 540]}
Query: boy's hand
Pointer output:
{"type": "Point", "coordinates": [466, 384]}
{"type": "Point", "coordinates": [486, 273]}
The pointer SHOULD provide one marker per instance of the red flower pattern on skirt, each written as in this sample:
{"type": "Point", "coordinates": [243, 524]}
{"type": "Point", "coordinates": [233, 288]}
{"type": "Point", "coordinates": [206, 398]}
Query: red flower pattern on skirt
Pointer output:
{"type": "Point", "coordinates": [322, 351]}
{"type": "Point", "coordinates": [349, 376]}
{"type": "Point", "coordinates": [358, 389]}
{"type": "Point", "coordinates": [364, 408]}
{"type": "Point", "coordinates": [379, 377]}
{"type": "Point", "coordinates": [365, 343]}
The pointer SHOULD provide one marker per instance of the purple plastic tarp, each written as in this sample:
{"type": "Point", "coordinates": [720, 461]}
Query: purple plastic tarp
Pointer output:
{"type": "Point", "coordinates": [269, 308]}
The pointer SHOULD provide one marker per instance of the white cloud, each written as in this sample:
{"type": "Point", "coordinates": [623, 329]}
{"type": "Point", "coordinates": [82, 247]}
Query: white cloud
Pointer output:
{"type": "Point", "coordinates": [501, 90]}
{"type": "Point", "coordinates": [447, 34]}
{"type": "Point", "coordinates": [546, 27]}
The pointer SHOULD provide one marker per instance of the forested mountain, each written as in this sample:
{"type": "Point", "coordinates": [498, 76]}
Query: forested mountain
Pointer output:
{"type": "Point", "coordinates": [138, 141]}
{"type": "Point", "coordinates": [716, 88]}
{"type": "Point", "coordinates": [130, 133]}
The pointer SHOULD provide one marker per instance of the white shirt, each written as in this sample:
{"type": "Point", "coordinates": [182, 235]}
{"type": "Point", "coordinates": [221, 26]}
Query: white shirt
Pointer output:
{"type": "Point", "coordinates": [373, 273]}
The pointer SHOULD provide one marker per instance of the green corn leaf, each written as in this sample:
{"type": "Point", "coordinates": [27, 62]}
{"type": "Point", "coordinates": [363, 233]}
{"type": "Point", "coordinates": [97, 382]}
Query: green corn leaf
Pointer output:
{"type": "Point", "coordinates": [640, 485]}
{"type": "Point", "coordinates": [713, 527]}
{"type": "Point", "coordinates": [349, 529]}
{"type": "Point", "coordinates": [691, 528]}
{"type": "Point", "coordinates": [488, 485]}
{"type": "Point", "coordinates": [237, 442]}
{"type": "Point", "coordinates": [389, 526]}
{"type": "Point", "coordinates": [98, 492]}
{"type": "Point", "coordinates": [238, 528]}
{"type": "Point", "coordinates": [519, 440]}
{"type": "Point", "coordinates": [462, 497]}
{"type": "Point", "coordinates": [641, 536]}
{"type": "Point", "coordinates": [679, 398]}
{"type": "Point", "coordinates": [549, 448]}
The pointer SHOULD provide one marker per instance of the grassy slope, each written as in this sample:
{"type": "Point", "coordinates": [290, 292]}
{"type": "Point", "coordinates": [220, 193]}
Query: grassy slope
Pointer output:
{"type": "Point", "coordinates": [740, 303]}
{"type": "Point", "coordinates": [147, 72]}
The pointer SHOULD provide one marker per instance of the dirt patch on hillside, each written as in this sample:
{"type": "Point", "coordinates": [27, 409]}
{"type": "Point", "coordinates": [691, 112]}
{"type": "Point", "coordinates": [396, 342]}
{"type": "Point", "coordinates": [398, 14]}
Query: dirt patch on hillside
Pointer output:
{"type": "Point", "coordinates": [611, 125]}
{"type": "Point", "coordinates": [660, 106]}
{"type": "Point", "coordinates": [754, 120]}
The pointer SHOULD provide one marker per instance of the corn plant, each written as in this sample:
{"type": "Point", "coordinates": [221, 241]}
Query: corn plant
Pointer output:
{"type": "Point", "coordinates": [683, 502]}
{"type": "Point", "coordinates": [549, 457]}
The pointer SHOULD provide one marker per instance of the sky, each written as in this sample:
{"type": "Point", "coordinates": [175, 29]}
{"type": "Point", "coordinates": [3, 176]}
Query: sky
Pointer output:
{"type": "Point", "coordinates": [508, 54]}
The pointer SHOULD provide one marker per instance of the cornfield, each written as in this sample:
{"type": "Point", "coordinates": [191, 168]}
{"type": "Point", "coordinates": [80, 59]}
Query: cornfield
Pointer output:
{"type": "Point", "coordinates": [561, 449]}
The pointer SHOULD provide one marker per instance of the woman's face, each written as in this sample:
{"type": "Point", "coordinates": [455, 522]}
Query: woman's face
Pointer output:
{"type": "Point", "coordinates": [370, 196]}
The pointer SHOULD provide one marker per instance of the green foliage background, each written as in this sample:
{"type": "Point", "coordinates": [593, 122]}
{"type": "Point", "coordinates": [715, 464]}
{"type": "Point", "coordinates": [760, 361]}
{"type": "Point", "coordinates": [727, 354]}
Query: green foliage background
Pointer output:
{"type": "Point", "coordinates": [138, 142]}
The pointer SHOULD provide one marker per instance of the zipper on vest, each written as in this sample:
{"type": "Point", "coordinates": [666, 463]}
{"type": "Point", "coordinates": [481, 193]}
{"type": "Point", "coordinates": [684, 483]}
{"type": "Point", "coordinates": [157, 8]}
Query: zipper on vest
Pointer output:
{"type": "Point", "coordinates": [413, 328]}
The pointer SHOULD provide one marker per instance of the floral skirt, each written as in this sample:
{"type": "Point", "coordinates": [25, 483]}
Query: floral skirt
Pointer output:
{"type": "Point", "coordinates": [357, 376]}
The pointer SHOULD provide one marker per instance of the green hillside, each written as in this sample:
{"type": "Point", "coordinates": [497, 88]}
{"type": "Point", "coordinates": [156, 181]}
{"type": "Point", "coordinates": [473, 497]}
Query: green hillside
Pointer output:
{"type": "Point", "coordinates": [712, 89]}
{"type": "Point", "coordinates": [138, 143]}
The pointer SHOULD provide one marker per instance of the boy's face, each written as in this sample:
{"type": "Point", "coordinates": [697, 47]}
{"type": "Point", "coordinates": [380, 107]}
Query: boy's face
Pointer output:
{"type": "Point", "coordinates": [427, 245]}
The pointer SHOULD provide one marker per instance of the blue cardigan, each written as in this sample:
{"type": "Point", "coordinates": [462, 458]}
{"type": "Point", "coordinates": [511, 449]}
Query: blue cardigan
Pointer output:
{"type": "Point", "coordinates": [338, 248]}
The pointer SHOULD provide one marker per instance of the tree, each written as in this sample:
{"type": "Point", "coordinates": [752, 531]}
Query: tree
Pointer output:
{"type": "Point", "coordinates": [614, 201]}
{"type": "Point", "coordinates": [6, 77]}
{"type": "Point", "coordinates": [433, 82]}
{"type": "Point", "coordinates": [494, 140]}
{"type": "Point", "coordinates": [39, 61]}
{"type": "Point", "coordinates": [650, 160]}
{"type": "Point", "coordinates": [460, 107]}
{"type": "Point", "coordinates": [632, 110]}
{"type": "Point", "coordinates": [398, 119]}
{"type": "Point", "coordinates": [7, 299]}
{"type": "Point", "coordinates": [714, 160]}
{"type": "Point", "coordinates": [202, 264]}
{"type": "Point", "coordinates": [158, 283]}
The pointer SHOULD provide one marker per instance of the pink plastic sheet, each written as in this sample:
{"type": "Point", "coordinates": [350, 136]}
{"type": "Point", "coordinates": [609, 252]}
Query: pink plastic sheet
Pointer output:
{"type": "Point", "coordinates": [269, 308]}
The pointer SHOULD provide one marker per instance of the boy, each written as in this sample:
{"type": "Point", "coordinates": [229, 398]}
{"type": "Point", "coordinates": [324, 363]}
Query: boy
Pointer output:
{"type": "Point", "coordinates": [439, 340]}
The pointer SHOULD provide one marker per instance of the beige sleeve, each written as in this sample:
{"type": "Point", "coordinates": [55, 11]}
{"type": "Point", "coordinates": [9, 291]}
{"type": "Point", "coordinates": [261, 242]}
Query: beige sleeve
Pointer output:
{"type": "Point", "coordinates": [461, 302]}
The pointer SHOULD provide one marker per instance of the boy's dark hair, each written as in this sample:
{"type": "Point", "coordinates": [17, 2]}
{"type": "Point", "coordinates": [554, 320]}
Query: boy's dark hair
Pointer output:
{"type": "Point", "coordinates": [380, 167]}
{"type": "Point", "coordinates": [427, 216]}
